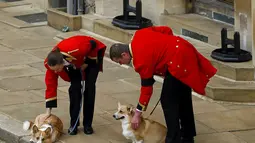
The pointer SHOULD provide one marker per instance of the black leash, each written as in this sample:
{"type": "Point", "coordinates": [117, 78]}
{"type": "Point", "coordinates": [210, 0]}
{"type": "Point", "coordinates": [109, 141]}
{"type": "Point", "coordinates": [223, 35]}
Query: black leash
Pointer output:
{"type": "Point", "coordinates": [154, 107]}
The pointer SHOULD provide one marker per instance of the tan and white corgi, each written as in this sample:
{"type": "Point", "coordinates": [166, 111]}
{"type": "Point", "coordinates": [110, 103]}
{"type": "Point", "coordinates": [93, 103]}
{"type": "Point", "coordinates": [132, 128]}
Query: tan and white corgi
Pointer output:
{"type": "Point", "coordinates": [149, 131]}
{"type": "Point", "coordinates": [44, 131]}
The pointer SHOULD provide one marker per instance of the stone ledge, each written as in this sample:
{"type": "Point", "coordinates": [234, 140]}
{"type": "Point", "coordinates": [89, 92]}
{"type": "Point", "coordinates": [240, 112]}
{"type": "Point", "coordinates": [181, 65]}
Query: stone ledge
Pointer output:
{"type": "Point", "coordinates": [57, 19]}
{"type": "Point", "coordinates": [11, 130]}
{"type": "Point", "coordinates": [231, 91]}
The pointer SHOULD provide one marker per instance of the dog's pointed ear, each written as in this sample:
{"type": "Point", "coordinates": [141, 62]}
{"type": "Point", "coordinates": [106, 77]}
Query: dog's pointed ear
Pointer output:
{"type": "Point", "coordinates": [35, 129]}
{"type": "Point", "coordinates": [48, 131]}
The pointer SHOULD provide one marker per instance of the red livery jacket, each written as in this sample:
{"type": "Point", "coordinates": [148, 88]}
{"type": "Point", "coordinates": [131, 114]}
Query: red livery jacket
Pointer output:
{"type": "Point", "coordinates": [156, 50]}
{"type": "Point", "coordinates": [75, 50]}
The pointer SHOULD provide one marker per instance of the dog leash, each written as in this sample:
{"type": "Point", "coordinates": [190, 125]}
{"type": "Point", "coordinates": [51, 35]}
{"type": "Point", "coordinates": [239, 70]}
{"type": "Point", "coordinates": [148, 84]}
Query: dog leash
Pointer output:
{"type": "Point", "coordinates": [82, 93]}
{"type": "Point", "coordinates": [154, 107]}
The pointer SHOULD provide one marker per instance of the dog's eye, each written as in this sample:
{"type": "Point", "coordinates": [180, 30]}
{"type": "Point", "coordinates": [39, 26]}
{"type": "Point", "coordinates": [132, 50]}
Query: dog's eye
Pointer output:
{"type": "Point", "coordinates": [37, 138]}
{"type": "Point", "coordinates": [42, 139]}
{"type": "Point", "coordinates": [121, 111]}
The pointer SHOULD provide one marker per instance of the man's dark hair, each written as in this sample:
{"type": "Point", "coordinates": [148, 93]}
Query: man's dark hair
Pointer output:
{"type": "Point", "coordinates": [117, 49]}
{"type": "Point", "coordinates": [55, 58]}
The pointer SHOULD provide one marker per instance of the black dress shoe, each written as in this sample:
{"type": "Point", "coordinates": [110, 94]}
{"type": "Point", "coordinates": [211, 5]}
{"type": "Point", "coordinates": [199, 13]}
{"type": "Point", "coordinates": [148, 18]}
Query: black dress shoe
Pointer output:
{"type": "Point", "coordinates": [74, 132]}
{"type": "Point", "coordinates": [88, 130]}
{"type": "Point", "coordinates": [189, 140]}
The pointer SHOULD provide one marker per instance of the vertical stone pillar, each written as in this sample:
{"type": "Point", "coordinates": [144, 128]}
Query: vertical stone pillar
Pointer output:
{"type": "Point", "coordinates": [253, 31]}
{"type": "Point", "coordinates": [243, 23]}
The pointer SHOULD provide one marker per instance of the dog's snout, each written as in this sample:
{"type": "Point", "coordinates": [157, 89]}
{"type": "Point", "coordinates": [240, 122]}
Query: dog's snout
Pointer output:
{"type": "Point", "coordinates": [114, 116]}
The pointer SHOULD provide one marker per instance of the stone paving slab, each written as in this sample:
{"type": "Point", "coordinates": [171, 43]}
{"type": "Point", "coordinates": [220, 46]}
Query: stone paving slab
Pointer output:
{"type": "Point", "coordinates": [118, 72]}
{"type": "Point", "coordinates": [28, 43]}
{"type": "Point", "coordinates": [224, 137]}
{"type": "Point", "coordinates": [14, 98]}
{"type": "Point", "coordinates": [119, 87]}
{"type": "Point", "coordinates": [44, 31]}
{"type": "Point", "coordinates": [41, 94]}
{"type": "Point", "coordinates": [230, 106]}
{"type": "Point", "coordinates": [60, 81]}
{"type": "Point", "coordinates": [4, 49]}
{"type": "Point", "coordinates": [41, 52]}
{"type": "Point", "coordinates": [18, 71]}
{"type": "Point", "coordinates": [204, 107]}
{"type": "Point", "coordinates": [222, 121]}
{"type": "Point", "coordinates": [38, 65]}
{"type": "Point", "coordinates": [133, 97]}
{"type": "Point", "coordinates": [7, 32]}
{"type": "Point", "coordinates": [247, 136]}
{"type": "Point", "coordinates": [244, 115]}
{"type": "Point", "coordinates": [11, 58]}
{"type": "Point", "coordinates": [21, 83]}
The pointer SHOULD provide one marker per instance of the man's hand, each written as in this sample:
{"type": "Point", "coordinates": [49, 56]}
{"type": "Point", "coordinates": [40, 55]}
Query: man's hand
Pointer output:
{"type": "Point", "coordinates": [48, 111]}
{"type": "Point", "coordinates": [84, 66]}
{"type": "Point", "coordinates": [136, 120]}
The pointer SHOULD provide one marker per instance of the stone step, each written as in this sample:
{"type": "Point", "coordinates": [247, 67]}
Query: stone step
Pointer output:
{"type": "Point", "coordinates": [235, 71]}
{"type": "Point", "coordinates": [233, 91]}
{"type": "Point", "coordinates": [197, 27]}
{"type": "Point", "coordinates": [219, 88]}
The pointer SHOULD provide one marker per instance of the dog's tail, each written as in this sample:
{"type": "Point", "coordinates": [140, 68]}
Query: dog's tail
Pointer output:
{"type": "Point", "coordinates": [27, 125]}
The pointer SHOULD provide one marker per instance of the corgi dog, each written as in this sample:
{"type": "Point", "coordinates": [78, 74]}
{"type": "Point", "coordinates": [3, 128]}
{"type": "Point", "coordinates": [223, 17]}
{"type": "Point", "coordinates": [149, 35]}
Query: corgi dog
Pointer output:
{"type": "Point", "coordinates": [149, 131]}
{"type": "Point", "coordinates": [44, 131]}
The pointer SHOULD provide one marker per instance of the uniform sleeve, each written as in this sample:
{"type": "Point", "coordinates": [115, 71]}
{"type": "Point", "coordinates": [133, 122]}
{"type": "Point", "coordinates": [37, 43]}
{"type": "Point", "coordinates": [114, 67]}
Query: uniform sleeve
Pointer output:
{"type": "Point", "coordinates": [51, 81]}
{"type": "Point", "coordinates": [96, 53]}
{"type": "Point", "coordinates": [147, 81]}
{"type": "Point", "coordinates": [162, 29]}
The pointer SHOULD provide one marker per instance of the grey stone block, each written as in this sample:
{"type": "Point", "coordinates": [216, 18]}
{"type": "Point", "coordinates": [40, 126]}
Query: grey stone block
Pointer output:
{"type": "Point", "coordinates": [10, 129]}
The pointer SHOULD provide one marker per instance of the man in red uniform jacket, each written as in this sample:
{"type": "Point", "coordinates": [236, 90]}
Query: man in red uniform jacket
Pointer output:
{"type": "Point", "coordinates": [70, 59]}
{"type": "Point", "coordinates": [156, 51]}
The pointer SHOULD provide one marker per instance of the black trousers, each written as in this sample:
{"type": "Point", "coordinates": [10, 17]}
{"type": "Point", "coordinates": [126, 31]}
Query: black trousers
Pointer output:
{"type": "Point", "coordinates": [75, 95]}
{"type": "Point", "coordinates": [176, 101]}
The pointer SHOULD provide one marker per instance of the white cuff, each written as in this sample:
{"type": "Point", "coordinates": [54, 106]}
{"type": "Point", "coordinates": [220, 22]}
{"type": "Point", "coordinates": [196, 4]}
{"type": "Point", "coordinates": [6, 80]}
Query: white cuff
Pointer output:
{"type": "Point", "coordinates": [138, 110]}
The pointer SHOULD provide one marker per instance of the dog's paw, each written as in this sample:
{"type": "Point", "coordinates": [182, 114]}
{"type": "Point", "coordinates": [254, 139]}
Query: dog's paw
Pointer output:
{"type": "Point", "coordinates": [26, 125]}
